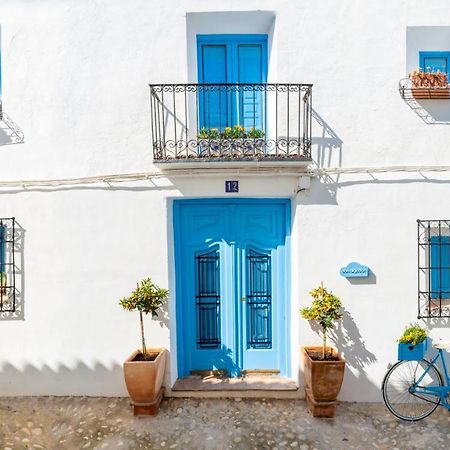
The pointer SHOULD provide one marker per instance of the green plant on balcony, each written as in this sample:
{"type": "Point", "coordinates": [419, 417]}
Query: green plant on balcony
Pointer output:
{"type": "Point", "coordinates": [255, 133]}
{"type": "Point", "coordinates": [235, 132]}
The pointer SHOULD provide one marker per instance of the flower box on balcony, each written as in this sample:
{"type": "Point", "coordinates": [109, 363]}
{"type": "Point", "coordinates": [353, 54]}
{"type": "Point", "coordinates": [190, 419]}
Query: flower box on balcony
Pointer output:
{"type": "Point", "coordinates": [411, 352]}
{"type": "Point", "coordinates": [230, 148]}
{"type": "Point", "coordinates": [429, 85]}
{"type": "Point", "coordinates": [431, 93]}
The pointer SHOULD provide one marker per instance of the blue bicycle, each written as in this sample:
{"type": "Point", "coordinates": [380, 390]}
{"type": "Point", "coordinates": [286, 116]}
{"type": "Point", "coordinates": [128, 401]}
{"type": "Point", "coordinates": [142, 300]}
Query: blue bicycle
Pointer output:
{"type": "Point", "coordinates": [413, 389]}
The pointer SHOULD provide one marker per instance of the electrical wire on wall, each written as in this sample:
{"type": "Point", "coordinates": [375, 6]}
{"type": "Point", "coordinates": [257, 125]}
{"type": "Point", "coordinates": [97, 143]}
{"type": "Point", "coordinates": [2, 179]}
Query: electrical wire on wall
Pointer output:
{"type": "Point", "coordinates": [184, 172]}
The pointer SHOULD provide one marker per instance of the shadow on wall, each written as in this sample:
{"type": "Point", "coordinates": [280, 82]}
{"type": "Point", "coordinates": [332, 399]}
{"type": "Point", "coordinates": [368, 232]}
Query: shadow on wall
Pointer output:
{"type": "Point", "coordinates": [326, 152]}
{"type": "Point", "coordinates": [327, 148]}
{"type": "Point", "coordinates": [351, 346]}
{"type": "Point", "coordinates": [19, 260]}
{"type": "Point", "coordinates": [435, 325]}
{"type": "Point", "coordinates": [10, 132]}
{"type": "Point", "coordinates": [81, 379]}
{"type": "Point", "coordinates": [432, 112]}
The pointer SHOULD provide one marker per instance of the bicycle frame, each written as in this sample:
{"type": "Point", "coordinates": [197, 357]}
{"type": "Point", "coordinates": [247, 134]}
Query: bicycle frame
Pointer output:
{"type": "Point", "coordinates": [438, 391]}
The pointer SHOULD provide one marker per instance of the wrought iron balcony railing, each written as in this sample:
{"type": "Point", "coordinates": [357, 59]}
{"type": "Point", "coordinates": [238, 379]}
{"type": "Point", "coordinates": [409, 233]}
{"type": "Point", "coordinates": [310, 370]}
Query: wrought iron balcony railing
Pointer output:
{"type": "Point", "coordinates": [227, 122]}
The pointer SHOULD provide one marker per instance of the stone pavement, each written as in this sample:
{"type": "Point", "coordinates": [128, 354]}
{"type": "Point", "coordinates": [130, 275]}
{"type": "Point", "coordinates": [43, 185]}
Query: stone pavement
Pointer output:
{"type": "Point", "coordinates": [95, 423]}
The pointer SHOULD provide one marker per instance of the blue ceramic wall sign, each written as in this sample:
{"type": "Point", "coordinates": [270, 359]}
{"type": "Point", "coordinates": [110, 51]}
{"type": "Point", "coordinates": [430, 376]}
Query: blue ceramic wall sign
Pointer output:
{"type": "Point", "coordinates": [354, 270]}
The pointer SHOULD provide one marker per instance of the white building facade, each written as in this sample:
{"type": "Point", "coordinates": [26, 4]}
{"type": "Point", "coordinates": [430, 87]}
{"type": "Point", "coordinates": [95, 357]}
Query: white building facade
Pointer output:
{"type": "Point", "coordinates": [110, 181]}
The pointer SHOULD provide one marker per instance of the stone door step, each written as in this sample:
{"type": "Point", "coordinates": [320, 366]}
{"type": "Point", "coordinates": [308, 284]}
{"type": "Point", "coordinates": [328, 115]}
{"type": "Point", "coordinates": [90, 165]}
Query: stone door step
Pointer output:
{"type": "Point", "coordinates": [246, 387]}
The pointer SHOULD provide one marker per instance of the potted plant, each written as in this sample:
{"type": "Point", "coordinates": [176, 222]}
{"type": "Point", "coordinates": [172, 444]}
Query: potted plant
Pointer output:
{"type": "Point", "coordinates": [412, 344]}
{"type": "Point", "coordinates": [323, 366]}
{"type": "Point", "coordinates": [144, 369]}
{"type": "Point", "coordinates": [429, 85]}
{"type": "Point", "coordinates": [231, 141]}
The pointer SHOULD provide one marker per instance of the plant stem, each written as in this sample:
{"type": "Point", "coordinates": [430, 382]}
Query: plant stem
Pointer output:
{"type": "Point", "coordinates": [144, 348]}
{"type": "Point", "coordinates": [324, 343]}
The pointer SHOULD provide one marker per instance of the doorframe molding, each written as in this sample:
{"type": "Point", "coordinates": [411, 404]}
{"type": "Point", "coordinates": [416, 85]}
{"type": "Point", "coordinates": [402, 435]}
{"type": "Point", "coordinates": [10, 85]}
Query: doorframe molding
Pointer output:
{"type": "Point", "coordinates": [176, 206]}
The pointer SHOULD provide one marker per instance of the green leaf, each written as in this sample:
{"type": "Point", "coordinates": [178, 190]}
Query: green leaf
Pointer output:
{"type": "Point", "coordinates": [147, 298]}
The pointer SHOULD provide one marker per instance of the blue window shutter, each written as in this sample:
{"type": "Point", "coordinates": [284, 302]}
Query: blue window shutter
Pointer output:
{"type": "Point", "coordinates": [2, 248]}
{"type": "Point", "coordinates": [213, 107]}
{"type": "Point", "coordinates": [434, 61]}
{"type": "Point", "coordinates": [251, 69]}
{"type": "Point", "coordinates": [214, 63]}
{"type": "Point", "coordinates": [440, 266]}
{"type": "Point", "coordinates": [231, 58]}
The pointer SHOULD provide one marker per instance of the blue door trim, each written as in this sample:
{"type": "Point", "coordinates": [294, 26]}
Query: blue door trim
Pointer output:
{"type": "Point", "coordinates": [177, 227]}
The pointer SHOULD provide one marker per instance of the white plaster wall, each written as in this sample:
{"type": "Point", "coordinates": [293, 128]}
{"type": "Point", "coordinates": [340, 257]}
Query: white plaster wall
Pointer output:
{"type": "Point", "coordinates": [75, 80]}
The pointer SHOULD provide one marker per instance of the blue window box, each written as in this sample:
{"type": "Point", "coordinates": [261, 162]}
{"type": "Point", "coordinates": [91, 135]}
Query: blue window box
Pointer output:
{"type": "Point", "coordinates": [410, 352]}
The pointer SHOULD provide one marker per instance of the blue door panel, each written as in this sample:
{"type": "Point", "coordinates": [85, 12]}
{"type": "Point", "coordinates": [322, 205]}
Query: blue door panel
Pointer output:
{"type": "Point", "coordinates": [231, 277]}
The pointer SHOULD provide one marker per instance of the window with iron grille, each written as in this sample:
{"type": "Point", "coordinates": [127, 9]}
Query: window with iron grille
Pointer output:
{"type": "Point", "coordinates": [208, 299]}
{"type": "Point", "coordinates": [7, 265]}
{"type": "Point", "coordinates": [434, 268]}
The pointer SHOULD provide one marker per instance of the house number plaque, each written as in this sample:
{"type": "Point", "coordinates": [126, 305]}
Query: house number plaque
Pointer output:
{"type": "Point", "coordinates": [231, 186]}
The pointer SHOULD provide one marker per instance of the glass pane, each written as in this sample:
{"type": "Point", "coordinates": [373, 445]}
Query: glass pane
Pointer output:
{"type": "Point", "coordinates": [435, 64]}
{"type": "Point", "coordinates": [259, 300]}
{"type": "Point", "coordinates": [208, 300]}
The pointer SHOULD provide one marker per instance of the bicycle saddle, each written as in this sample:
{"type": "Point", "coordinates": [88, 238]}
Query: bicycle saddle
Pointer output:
{"type": "Point", "coordinates": [442, 344]}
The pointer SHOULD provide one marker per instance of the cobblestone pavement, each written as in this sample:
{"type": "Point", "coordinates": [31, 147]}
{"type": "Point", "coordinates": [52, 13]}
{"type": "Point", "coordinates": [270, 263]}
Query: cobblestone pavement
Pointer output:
{"type": "Point", "coordinates": [95, 423]}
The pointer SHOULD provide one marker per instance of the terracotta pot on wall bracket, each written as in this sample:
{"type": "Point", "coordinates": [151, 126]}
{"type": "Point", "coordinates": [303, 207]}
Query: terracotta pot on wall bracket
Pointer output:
{"type": "Point", "coordinates": [437, 93]}
{"type": "Point", "coordinates": [323, 381]}
{"type": "Point", "coordinates": [144, 381]}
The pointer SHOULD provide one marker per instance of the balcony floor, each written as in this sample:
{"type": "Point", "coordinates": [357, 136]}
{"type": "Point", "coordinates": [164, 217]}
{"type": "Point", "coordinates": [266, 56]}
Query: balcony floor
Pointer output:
{"type": "Point", "coordinates": [219, 164]}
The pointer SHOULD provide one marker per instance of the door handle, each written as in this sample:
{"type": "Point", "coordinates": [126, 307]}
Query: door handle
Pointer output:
{"type": "Point", "coordinates": [243, 299]}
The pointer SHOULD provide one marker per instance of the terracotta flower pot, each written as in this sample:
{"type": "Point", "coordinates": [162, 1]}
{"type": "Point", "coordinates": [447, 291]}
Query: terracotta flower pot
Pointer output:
{"type": "Point", "coordinates": [323, 382]}
{"type": "Point", "coordinates": [144, 381]}
{"type": "Point", "coordinates": [421, 93]}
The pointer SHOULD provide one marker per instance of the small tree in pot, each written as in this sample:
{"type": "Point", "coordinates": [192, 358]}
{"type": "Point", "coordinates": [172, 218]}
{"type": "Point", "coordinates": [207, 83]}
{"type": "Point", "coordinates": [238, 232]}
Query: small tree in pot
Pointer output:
{"type": "Point", "coordinates": [144, 369]}
{"type": "Point", "coordinates": [323, 366]}
{"type": "Point", "coordinates": [325, 310]}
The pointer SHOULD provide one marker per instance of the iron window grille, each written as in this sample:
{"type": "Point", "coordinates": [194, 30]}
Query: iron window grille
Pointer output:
{"type": "Point", "coordinates": [433, 268]}
{"type": "Point", "coordinates": [208, 300]}
{"type": "Point", "coordinates": [259, 300]}
{"type": "Point", "coordinates": [226, 122]}
{"type": "Point", "coordinates": [7, 265]}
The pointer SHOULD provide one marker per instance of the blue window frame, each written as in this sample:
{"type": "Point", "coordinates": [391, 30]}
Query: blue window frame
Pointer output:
{"type": "Point", "coordinates": [231, 58]}
{"type": "Point", "coordinates": [434, 61]}
{"type": "Point", "coordinates": [440, 267]}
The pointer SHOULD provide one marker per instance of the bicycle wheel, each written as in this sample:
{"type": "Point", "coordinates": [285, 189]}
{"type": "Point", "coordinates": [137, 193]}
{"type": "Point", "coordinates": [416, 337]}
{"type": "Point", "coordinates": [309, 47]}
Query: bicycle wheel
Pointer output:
{"type": "Point", "coordinates": [397, 393]}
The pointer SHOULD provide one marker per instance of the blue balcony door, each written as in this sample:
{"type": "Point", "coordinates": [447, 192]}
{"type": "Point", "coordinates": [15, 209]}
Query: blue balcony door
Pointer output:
{"type": "Point", "coordinates": [229, 58]}
{"type": "Point", "coordinates": [231, 264]}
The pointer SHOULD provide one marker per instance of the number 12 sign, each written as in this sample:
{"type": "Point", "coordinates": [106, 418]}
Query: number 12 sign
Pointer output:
{"type": "Point", "coordinates": [231, 186]}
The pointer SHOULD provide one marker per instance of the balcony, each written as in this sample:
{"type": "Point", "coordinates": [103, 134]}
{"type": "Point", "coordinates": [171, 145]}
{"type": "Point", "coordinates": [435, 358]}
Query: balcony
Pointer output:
{"type": "Point", "coordinates": [231, 122]}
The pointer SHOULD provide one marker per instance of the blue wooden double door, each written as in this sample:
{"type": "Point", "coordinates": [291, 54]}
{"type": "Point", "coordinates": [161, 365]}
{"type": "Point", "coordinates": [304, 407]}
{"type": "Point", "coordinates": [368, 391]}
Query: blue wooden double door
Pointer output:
{"type": "Point", "coordinates": [231, 263]}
